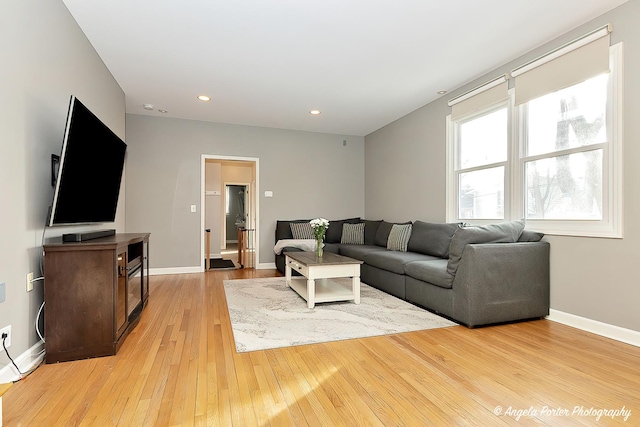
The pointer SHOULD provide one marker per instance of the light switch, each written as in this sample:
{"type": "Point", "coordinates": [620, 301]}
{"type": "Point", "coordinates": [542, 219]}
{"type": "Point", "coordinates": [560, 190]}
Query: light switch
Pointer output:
{"type": "Point", "coordinates": [3, 295]}
{"type": "Point", "coordinates": [268, 194]}
{"type": "Point", "coordinates": [193, 208]}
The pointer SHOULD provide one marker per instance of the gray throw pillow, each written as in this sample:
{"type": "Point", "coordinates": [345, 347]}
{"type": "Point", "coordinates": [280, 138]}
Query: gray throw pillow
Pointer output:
{"type": "Point", "coordinates": [352, 234]}
{"type": "Point", "coordinates": [302, 230]}
{"type": "Point", "coordinates": [334, 232]}
{"type": "Point", "coordinates": [283, 228]}
{"type": "Point", "coordinates": [505, 232]}
{"type": "Point", "coordinates": [382, 234]}
{"type": "Point", "coordinates": [399, 237]}
{"type": "Point", "coordinates": [431, 238]}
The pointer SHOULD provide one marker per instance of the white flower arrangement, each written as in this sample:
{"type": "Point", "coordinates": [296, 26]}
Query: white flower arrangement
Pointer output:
{"type": "Point", "coordinates": [319, 226]}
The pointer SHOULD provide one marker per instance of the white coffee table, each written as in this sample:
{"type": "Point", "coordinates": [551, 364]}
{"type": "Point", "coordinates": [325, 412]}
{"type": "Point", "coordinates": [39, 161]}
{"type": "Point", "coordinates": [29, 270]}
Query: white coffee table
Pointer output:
{"type": "Point", "coordinates": [317, 285]}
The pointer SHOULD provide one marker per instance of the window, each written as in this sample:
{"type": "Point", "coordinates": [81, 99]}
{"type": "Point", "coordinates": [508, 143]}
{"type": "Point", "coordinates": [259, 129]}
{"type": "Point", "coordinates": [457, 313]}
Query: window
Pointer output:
{"type": "Point", "coordinates": [555, 159]}
{"type": "Point", "coordinates": [481, 165]}
{"type": "Point", "coordinates": [565, 135]}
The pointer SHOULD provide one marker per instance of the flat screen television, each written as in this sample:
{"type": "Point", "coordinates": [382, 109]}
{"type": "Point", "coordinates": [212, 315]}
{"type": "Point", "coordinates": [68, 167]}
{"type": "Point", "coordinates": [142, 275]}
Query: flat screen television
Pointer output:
{"type": "Point", "coordinates": [89, 172]}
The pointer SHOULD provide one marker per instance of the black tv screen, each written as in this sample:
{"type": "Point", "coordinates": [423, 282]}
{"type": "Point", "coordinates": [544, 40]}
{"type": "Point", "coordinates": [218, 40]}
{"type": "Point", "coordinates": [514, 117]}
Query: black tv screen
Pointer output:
{"type": "Point", "coordinates": [90, 170]}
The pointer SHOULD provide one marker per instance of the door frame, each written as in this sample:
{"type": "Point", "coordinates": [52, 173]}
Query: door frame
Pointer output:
{"type": "Point", "coordinates": [256, 199]}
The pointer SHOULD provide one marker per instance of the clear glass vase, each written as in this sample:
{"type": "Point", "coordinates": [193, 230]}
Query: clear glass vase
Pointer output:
{"type": "Point", "coordinates": [319, 247]}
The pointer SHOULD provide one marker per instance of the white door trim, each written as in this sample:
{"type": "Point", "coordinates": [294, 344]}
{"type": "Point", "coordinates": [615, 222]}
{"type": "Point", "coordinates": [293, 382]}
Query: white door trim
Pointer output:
{"type": "Point", "coordinates": [256, 200]}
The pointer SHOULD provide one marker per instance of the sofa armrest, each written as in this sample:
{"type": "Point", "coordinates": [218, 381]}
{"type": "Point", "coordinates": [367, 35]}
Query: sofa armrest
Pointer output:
{"type": "Point", "coordinates": [501, 282]}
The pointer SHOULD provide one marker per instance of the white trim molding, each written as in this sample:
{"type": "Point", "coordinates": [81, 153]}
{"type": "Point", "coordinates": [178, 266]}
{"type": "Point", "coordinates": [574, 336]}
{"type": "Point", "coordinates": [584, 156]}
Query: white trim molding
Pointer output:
{"type": "Point", "coordinates": [265, 265]}
{"type": "Point", "coordinates": [617, 333]}
{"type": "Point", "coordinates": [26, 361]}
{"type": "Point", "coordinates": [175, 270]}
{"type": "Point", "coordinates": [256, 199]}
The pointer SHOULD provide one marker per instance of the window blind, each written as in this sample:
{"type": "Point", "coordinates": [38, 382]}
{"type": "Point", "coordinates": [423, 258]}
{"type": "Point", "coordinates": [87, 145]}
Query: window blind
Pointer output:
{"type": "Point", "coordinates": [482, 96]}
{"type": "Point", "coordinates": [570, 64]}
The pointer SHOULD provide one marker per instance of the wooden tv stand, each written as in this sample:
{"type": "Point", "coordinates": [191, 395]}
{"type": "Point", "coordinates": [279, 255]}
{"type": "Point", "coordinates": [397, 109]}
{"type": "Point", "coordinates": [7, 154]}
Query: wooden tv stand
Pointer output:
{"type": "Point", "coordinates": [94, 293]}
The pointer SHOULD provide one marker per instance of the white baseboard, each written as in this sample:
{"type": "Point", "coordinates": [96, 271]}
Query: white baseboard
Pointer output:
{"type": "Point", "coordinates": [265, 265]}
{"type": "Point", "coordinates": [26, 361]}
{"type": "Point", "coordinates": [617, 333]}
{"type": "Point", "coordinates": [175, 270]}
{"type": "Point", "coordinates": [188, 270]}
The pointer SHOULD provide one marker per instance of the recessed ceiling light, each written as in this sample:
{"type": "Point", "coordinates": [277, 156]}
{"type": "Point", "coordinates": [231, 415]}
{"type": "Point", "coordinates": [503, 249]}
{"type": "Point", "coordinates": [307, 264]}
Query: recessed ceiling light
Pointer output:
{"type": "Point", "coordinates": [162, 110]}
{"type": "Point", "coordinates": [204, 98]}
{"type": "Point", "coordinates": [147, 106]}
{"type": "Point", "coordinates": [314, 112]}
{"type": "Point", "coordinates": [441, 92]}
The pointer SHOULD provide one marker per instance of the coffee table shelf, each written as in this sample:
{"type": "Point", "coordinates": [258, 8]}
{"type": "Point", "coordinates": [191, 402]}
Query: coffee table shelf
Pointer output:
{"type": "Point", "coordinates": [317, 285]}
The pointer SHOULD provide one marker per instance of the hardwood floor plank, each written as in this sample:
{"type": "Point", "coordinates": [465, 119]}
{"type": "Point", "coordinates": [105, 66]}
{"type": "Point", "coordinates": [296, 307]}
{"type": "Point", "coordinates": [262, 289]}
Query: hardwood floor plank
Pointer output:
{"type": "Point", "coordinates": [291, 392]}
{"type": "Point", "coordinates": [248, 387]}
{"type": "Point", "coordinates": [351, 406]}
{"type": "Point", "coordinates": [179, 367]}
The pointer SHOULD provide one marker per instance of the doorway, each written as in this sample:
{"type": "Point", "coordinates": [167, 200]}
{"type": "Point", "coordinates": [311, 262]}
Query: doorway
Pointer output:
{"type": "Point", "coordinates": [230, 185]}
{"type": "Point", "coordinates": [237, 208]}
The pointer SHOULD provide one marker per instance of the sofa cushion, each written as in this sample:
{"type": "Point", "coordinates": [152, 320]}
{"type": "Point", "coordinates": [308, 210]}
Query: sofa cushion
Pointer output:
{"type": "Point", "coordinates": [393, 261]}
{"type": "Point", "coordinates": [358, 251]}
{"type": "Point", "coordinates": [332, 247]}
{"type": "Point", "coordinates": [302, 230]}
{"type": "Point", "coordinates": [505, 232]}
{"type": "Point", "coordinates": [399, 237]}
{"type": "Point", "coordinates": [370, 230]}
{"type": "Point", "coordinates": [352, 234]}
{"type": "Point", "coordinates": [283, 228]}
{"type": "Point", "coordinates": [334, 231]}
{"type": "Point", "coordinates": [434, 272]}
{"type": "Point", "coordinates": [432, 239]}
{"type": "Point", "coordinates": [382, 233]}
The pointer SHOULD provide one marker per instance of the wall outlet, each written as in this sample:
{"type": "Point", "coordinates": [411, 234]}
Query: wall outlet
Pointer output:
{"type": "Point", "coordinates": [29, 282]}
{"type": "Point", "coordinates": [6, 330]}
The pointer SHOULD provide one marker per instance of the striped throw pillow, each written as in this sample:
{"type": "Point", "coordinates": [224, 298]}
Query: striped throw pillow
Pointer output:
{"type": "Point", "coordinates": [352, 234]}
{"type": "Point", "coordinates": [302, 230]}
{"type": "Point", "coordinates": [399, 237]}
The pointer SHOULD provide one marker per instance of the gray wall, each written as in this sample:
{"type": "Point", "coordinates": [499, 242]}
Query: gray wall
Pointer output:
{"type": "Point", "coordinates": [45, 59]}
{"type": "Point", "coordinates": [310, 174]}
{"type": "Point", "coordinates": [590, 277]}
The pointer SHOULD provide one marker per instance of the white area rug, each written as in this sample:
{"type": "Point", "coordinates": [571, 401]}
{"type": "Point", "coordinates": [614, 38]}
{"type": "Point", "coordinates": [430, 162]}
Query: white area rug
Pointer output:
{"type": "Point", "coordinates": [265, 313]}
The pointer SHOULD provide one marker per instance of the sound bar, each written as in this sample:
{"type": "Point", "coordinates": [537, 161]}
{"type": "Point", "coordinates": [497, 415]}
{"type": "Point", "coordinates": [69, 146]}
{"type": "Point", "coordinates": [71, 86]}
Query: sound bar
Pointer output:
{"type": "Point", "coordinates": [89, 235]}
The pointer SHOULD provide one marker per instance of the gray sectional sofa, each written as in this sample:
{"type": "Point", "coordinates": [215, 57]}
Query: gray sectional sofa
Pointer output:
{"type": "Point", "coordinates": [475, 275]}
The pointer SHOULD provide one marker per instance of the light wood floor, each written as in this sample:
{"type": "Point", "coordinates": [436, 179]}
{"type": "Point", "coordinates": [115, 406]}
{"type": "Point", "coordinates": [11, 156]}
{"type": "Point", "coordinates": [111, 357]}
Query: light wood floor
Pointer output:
{"type": "Point", "coordinates": [179, 367]}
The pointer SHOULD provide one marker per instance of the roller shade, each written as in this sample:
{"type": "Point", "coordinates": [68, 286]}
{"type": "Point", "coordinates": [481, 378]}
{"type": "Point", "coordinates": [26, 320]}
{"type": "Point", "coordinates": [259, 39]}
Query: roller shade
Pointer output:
{"type": "Point", "coordinates": [482, 96]}
{"type": "Point", "coordinates": [570, 64]}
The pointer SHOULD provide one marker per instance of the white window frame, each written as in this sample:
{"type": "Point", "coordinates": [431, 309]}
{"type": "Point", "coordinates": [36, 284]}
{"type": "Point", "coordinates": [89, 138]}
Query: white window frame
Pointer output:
{"type": "Point", "coordinates": [454, 170]}
{"type": "Point", "coordinates": [515, 192]}
{"type": "Point", "coordinates": [611, 223]}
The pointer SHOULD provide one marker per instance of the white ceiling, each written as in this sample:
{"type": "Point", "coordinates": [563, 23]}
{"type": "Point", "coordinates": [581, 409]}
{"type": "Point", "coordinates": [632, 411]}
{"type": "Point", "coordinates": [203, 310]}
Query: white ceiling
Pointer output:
{"type": "Point", "coordinates": [363, 63]}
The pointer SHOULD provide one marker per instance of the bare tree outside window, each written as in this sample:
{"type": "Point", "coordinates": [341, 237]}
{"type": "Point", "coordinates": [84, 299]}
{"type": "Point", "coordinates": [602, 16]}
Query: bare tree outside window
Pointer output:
{"type": "Point", "coordinates": [570, 125]}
